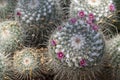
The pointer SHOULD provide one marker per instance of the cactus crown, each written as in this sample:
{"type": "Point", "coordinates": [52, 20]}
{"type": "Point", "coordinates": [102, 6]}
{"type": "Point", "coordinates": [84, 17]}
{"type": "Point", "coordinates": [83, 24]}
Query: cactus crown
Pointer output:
{"type": "Point", "coordinates": [77, 44]}
{"type": "Point", "coordinates": [27, 62]}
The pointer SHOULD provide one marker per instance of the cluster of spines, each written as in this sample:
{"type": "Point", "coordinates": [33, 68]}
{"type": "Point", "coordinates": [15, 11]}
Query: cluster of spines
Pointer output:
{"type": "Point", "coordinates": [97, 10]}
{"type": "Point", "coordinates": [11, 36]}
{"type": "Point", "coordinates": [42, 12]}
{"type": "Point", "coordinates": [7, 9]}
{"type": "Point", "coordinates": [27, 64]}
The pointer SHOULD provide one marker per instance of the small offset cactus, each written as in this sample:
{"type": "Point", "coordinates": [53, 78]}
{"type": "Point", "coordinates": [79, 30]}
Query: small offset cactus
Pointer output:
{"type": "Point", "coordinates": [37, 12]}
{"type": "Point", "coordinates": [94, 8]}
{"type": "Point", "coordinates": [11, 36]}
{"type": "Point", "coordinates": [28, 64]}
{"type": "Point", "coordinates": [113, 49]}
{"type": "Point", "coordinates": [76, 48]}
{"type": "Point", "coordinates": [7, 9]}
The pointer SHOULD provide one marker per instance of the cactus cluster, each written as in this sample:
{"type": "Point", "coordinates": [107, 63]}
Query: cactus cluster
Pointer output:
{"type": "Point", "coordinates": [94, 8]}
{"type": "Point", "coordinates": [43, 41]}
{"type": "Point", "coordinates": [11, 36]}
{"type": "Point", "coordinates": [76, 45]}
{"type": "Point", "coordinates": [7, 8]}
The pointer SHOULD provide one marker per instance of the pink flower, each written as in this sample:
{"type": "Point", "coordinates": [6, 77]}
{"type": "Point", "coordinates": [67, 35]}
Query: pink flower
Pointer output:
{"type": "Point", "coordinates": [60, 55]}
{"type": "Point", "coordinates": [91, 16]}
{"type": "Point", "coordinates": [82, 62]}
{"type": "Point", "coordinates": [18, 13]}
{"type": "Point", "coordinates": [89, 22]}
{"type": "Point", "coordinates": [73, 20]}
{"type": "Point", "coordinates": [81, 14]}
{"type": "Point", "coordinates": [94, 27]}
{"type": "Point", "coordinates": [53, 42]}
{"type": "Point", "coordinates": [112, 7]}
{"type": "Point", "coordinates": [59, 28]}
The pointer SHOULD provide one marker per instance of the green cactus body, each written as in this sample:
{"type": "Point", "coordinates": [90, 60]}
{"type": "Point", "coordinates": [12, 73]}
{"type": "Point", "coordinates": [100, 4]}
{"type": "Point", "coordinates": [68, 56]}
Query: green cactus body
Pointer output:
{"type": "Point", "coordinates": [37, 12]}
{"type": "Point", "coordinates": [4, 63]}
{"type": "Point", "coordinates": [77, 46]}
{"type": "Point", "coordinates": [98, 8]}
{"type": "Point", "coordinates": [42, 15]}
{"type": "Point", "coordinates": [27, 63]}
{"type": "Point", "coordinates": [7, 8]}
{"type": "Point", "coordinates": [113, 48]}
{"type": "Point", "coordinates": [11, 36]}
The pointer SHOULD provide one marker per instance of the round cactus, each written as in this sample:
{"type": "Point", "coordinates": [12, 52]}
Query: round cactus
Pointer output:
{"type": "Point", "coordinates": [93, 8]}
{"type": "Point", "coordinates": [4, 65]}
{"type": "Point", "coordinates": [113, 49]}
{"type": "Point", "coordinates": [28, 64]}
{"type": "Point", "coordinates": [7, 8]}
{"type": "Point", "coordinates": [11, 36]}
{"type": "Point", "coordinates": [99, 11]}
{"type": "Point", "coordinates": [75, 47]}
{"type": "Point", "coordinates": [37, 12]}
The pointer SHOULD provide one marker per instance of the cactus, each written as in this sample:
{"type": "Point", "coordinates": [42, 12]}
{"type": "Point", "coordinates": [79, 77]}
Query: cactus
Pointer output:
{"type": "Point", "coordinates": [76, 49]}
{"type": "Point", "coordinates": [28, 64]}
{"type": "Point", "coordinates": [7, 8]}
{"type": "Point", "coordinates": [11, 36]}
{"type": "Point", "coordinates": [113, 50]}
{"type": "Point", "coordinates": [102, 12]}
{"type": "Point", "coordinates": [93, 8]}
{"type": "Point", "coordinates": [65, 5]}
{"type": "Point", "coordinates": [5, 64]}
{"type": "Point", "coordinates": [37, 12]}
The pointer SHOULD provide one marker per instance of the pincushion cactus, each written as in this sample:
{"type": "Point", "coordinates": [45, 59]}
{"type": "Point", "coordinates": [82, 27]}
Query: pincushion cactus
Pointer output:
{"type": "Point", "coordinates": [113, 49]}
{"type": "Point", "coordinates": [5, 64]}
{"type": "Point", "coordinates": [37, 12]}
{"type": "Point", "coordinates": [76, 48]}
{"type": "Point", "coordinates": [93, 8]}
{"type": "Point", "coordinates": [6, 8]}
{"type": "Point", "coordinates": [98, 11]}
{"type": "Point", "coordinates": [11, 36]}
{"type": "Point", "coordinates": [28, 64]}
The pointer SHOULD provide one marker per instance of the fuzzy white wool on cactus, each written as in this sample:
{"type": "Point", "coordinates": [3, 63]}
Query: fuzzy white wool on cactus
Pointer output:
{"type": "Point", "coordinates": [94, 2]}
{"type": "Point", "coordinates": [77, 41]}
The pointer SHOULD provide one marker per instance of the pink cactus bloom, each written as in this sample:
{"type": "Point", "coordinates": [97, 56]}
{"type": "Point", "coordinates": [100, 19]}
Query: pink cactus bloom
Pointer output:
{"type": "Point", "coordinates": [53, 43]}
{"type": "Point", "coordinates": [19, 13]}
{"type": "Point", "coordinates": [91, 16]}
{"type": "Point", "coordinates": [95, 27]}
{"type": "Point", "coordinates": [81, 14]}
{"type": "Point", "coordinates": [60, 55]}
{"type": "Point", "coordinates": [82, 62]}
{"type": "Point", "coordinates": [112, 7]}
{"type": "Point", "coordinates": [73, 20]}
{"type": "Point", "coordinates": [59, 28]}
